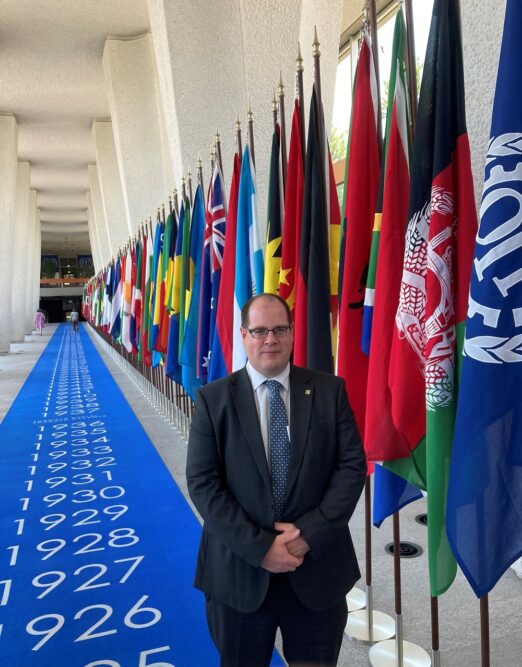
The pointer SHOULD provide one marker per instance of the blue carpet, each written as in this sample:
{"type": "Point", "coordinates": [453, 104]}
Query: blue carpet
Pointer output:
{"type": "Point", "coordinates": [97, 544]}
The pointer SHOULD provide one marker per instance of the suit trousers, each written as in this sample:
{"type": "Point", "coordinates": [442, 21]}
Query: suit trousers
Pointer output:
{"type": "Point", "coordinates": [310, 638]}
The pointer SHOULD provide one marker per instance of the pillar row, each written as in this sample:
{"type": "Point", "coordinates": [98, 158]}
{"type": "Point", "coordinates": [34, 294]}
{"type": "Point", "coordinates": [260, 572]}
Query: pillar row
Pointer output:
{"type": "Point", "coordinates": [20, 254]}
{"type": "Point", "coordinates": [140, 137]}
{"type": "Point", "coordinates": [8, 176]}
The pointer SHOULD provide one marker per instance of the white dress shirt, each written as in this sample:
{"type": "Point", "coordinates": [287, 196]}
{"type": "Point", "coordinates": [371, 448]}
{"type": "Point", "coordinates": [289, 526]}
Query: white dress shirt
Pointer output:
{"type": "Point", "coordinates": [261, 398]}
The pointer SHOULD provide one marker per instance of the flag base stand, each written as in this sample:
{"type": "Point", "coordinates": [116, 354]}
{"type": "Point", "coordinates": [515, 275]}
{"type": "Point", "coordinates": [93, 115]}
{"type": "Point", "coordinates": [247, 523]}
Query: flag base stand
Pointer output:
{"type": "Point", "coordinates": [397, 652]}
{"type": "Point", "coordinates": [356, 599]}
{"type": "Point", "coordinates": [367, 626]}
{"type": "Point", "coordinates": [384, 654]}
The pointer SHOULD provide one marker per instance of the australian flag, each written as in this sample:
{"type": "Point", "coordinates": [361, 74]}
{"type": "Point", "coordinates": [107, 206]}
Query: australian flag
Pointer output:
{"type": "Point", "coordinates": [484, 507]}
{"type": "Point", "coordinates": [213, 249]}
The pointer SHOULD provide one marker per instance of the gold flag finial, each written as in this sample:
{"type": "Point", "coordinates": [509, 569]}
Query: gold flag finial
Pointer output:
{"type": "Point", "coordinates": [238, 122]}
{"type": "Point", "coordinates": [274, 102]}
{"type": "Point", "coordinates": [281, 86]}
{"type": "Point", "coordinates": [250, 115]}
{"type": "Point", "coordinates": [316, 44]}
{"type": "Point", "coordinates": [299, 60]}
{"type": "Point", "coordinates": [200, 164]}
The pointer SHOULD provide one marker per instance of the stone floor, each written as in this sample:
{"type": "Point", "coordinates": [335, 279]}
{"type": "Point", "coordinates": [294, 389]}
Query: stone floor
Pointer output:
{"type": "Point", "coordinates": [458, 608]}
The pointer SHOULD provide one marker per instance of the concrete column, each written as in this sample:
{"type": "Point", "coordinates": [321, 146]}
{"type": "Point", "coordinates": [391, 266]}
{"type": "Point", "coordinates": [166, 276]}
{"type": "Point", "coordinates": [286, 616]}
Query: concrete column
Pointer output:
{"type": "Point", "coordinates": [108, 244]}
{"type": "Point", "coordinates": [481, 42]}
{"type": "Point", "coordinates": [8, 175]}
{"type": "Point", "coordinates": [110, 182]}
{"type": "Point", "coordinates": [93, 237]}
{"type": "Point", "coordinates": [246, 61]}
{"type": "Point", "coordinates": [38, 233]}
{"type": "Point", "coordinates": [31, 262]}
{"type": "Point", "coordinates": [139, 133]}
{"type": "Point", "coordinates": [21, 247]}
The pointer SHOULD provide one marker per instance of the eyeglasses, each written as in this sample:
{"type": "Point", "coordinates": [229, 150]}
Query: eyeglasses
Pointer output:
{"type": "Point", "coordinates": [262, 332]}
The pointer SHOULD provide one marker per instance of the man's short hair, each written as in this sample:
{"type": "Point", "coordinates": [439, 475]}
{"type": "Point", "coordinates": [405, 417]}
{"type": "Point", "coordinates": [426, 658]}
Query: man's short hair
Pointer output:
{"type": "Point", "coordinates": [246, 308]}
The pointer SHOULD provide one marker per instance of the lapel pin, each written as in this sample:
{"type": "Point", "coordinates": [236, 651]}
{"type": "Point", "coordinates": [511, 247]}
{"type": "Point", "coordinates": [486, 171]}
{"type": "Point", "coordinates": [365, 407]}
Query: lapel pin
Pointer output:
{"type": "Point", "coordinates": [308, 392]}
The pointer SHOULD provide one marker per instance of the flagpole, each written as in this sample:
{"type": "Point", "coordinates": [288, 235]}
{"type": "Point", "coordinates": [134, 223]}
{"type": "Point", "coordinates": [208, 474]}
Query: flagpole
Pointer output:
{"type": "Point", "coordinates": [317, 81]}
{"type": "Point", "coordinates": [375, 52]}
{"type": "Point", "coordinates": [238, 137]}
{"type": "Point", "coordinates": [200, 172]}
{"type": "Point", "coordinates": [189, 178]}
{"type": "Point", "coordinates": [250, 117]}
{"type": "Point", "coordinates": [218, 147]}
{"type": "Point", "coordinates": [300, 94]}
{"type": "Point", "coordinates": [412, 69]}
{"type": "Point", "coordinates": [282, 123]}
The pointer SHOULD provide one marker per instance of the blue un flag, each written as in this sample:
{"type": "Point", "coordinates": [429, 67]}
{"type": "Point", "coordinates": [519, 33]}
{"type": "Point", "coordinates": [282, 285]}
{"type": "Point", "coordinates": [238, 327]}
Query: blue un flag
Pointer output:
{"type": "Point", "coordinates": [484, 509]}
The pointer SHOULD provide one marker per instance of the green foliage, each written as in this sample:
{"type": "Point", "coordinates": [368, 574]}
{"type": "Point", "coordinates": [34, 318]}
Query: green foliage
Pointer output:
{"type": "Point", "coordinates": [48, 268]}
{"type": "Point", "coordinates": [338, 144]}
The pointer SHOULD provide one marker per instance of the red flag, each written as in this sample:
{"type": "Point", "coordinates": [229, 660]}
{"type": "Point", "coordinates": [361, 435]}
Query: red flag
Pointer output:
{"type": "Point", "coordinates": [292, 215]}
{"type": "Point", "coordinates": [361, 188]}
{"type": "Point", "coordinates": [382, 442]}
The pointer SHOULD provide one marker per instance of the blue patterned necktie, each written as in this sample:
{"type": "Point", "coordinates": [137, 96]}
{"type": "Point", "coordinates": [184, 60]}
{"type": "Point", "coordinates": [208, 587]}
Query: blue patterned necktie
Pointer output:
{"type": "Point", "coordinates": [279, 446]}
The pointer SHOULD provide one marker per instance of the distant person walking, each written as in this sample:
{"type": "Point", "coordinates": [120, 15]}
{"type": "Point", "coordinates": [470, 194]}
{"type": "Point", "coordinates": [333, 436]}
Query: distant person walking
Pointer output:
{"type": "Point", "coordinates": [39, 321]}
{"type": "Point", "coordinates": [75, 317]}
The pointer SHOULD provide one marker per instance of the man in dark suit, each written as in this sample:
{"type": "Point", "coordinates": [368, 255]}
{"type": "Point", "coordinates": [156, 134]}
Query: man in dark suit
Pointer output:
{"type": "Point", "coordinates": [275, 497]}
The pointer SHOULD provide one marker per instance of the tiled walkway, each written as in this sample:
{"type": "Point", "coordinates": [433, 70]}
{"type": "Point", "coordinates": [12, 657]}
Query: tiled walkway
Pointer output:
{"type": "Point", "coordinates": [459, 609]}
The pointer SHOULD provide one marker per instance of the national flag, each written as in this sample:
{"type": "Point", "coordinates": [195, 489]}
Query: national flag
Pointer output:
{"type": "Point", "coordinates": [144, 353]}
{"type": "Point", "coordinates": [157, 275]}
{"type": "Point", "coordinates": [425, 354]}
{"type": "Point", "coordinates": [484, 509]}
{"type": "Point", "coordinates": [136, 296]}
{"type": "Point", "coordinates": [117, 288]}
{"type": "Point", "coordinates": [177, 296]}
{"type": "Point", "coordinates": [291, 242]}
{"type": "Point", "coordinates": [107, 298]}
{"type": "Point", "coordinates": [391, 492]}
{"type": "Point", "coordinates": [189, 347]}
{"type": "Point", "coordinates": [249, 253]}
{"type": "Point", "coordinates": [126, 302]}
{"type": "Point", "coordinates": [360, 199]}
{"type": "Point", "coordinates": [213, 251]}
{"type": "Point", "coordinates": [313, 323]}
{"type": "Point", "coordinates": [382, 442]}
{"type": "Point", "coordinates": [167, 260]}
{"type": "Point", "coordinates": [223, 340]}
{"type": "Point", "coordinates": [274, 217]}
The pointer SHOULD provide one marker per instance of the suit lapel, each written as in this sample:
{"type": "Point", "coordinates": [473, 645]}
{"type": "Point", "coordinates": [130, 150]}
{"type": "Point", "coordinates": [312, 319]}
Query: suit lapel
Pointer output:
{"type": "Point", "coordinates": [243, 397]}
{"type": "Point", "coordinates": [301, 400]}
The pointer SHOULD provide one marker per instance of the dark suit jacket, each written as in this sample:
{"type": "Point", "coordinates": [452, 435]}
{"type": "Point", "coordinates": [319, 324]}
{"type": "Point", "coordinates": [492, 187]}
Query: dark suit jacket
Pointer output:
{"type": "Point", "coordinates": [229, 483]}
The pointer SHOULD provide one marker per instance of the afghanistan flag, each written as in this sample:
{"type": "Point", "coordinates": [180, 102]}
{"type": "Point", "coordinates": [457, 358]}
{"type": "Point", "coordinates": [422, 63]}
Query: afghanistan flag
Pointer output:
{"type": "Point", "coordinates": [484, 510]}
{"type": "Point", "coordinates": [426, 344]}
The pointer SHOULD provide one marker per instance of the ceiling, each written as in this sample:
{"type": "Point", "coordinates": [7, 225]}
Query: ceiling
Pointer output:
{"type": "Point", "coordinates": [51, 79]}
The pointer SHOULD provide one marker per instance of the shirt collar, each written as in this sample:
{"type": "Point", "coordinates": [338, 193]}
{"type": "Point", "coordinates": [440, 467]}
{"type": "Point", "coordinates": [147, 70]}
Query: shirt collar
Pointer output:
{"type": "Point", "coordinates": [257, 378]}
